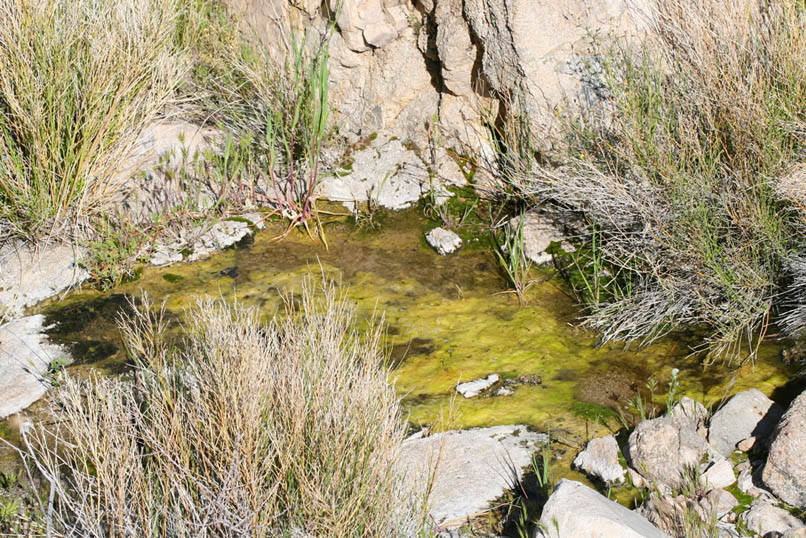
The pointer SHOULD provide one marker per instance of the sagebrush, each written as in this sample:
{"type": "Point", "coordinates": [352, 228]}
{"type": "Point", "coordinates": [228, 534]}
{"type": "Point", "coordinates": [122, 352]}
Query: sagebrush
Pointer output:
{"type": "Point", "coordinates": [676, 171]}
{"type": "Point", "coordinates": [286, 429]}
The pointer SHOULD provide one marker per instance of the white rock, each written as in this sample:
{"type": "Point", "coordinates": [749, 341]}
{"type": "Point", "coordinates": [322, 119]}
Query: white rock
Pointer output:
{"type": "Point", "coordinates": [164, 255]}
{"type": "Point", "coordinates": [473, 388]}
{"type": "Point", "coordinates": [379, 34]}
{"type": "Point", "coordinates": [448, 172]}
{"type": "Point", "coordinates": [538, 233]}
{"type": "Point", "coordinates": [635, 478]}
{"type": "Point", "coordinates": [720, 502]}
{"type": "Point", "coordinates": [25, 357]}
{"type": "Point", "coordinates": [689, 409]}
{"type": "Point", "coordinates": [575, 510]}
{"type": "Point", "coordinates": [764, 518]}
{"type": "Point", "coordinates": [32, 273]}
{"type": "Point", "coordinates": [726, 530]}
{"type": "Point", "coordinates": [600, 459]}
{"type": "Point", "coordinates": [444, 241]}
{"type": "Point", "coordinates": [719, 475]}
{"type": "Point", "coordinates": [456, 51]}
{"type": "Point", "coordinates": [386, 172]}
{"type": "Point", "coordinates": [203, 242]}
{"type": "Point", "coordinates": [749, 413]}
{"type": "Point", "coordinates": [475, 467]}
{"type": "Point", "coordinates": [746, 482]}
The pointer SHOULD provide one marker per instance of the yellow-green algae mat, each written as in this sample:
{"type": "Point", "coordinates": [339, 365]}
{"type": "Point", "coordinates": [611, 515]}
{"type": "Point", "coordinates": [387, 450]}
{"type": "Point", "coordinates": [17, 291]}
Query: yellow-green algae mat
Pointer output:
{"type": "Point", "coordinates": [447, 322]}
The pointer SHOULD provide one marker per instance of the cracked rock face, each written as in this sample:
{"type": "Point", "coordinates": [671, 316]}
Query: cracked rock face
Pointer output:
{"type": "Point", "coordinates": [409, 69]}
{"type": "Point", "coordinates": [385, 173]}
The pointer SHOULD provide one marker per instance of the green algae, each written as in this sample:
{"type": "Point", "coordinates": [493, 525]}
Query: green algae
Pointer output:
{"type": "Point", "coordinates": [447, 322]}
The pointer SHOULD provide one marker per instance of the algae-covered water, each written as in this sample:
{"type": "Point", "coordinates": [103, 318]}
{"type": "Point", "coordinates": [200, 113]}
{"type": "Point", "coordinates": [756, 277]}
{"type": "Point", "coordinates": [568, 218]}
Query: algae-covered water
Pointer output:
{"type": "Point", "coordinates": [447, 322]}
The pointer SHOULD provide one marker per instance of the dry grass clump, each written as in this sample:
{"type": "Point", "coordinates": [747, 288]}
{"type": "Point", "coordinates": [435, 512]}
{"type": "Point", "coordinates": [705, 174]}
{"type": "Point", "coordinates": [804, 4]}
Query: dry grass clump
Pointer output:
{"type": "Point", "coordinates": [676, 169]}
{"type": "Point", "coordinates": [285, 429]}
{"type": "Point", "coordinates": [78, 81]}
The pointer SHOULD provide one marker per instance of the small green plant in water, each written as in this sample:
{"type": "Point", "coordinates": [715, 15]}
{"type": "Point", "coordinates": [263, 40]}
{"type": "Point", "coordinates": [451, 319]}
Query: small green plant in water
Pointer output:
{"type": "Point", "coordinates": [56, 369]}
{"type": "Point", "coordinates": [542, 469]}
{"type": "Point", "coordinates": [10, 479]}
{"type": "Point", "coordinates": [111, 257]}
{"type": "Point", "coordinates": [294, 138]}
{"type": "Point", "coordinates": [511, 255]}
{"type": "Point", "coordinates": [673, 396]}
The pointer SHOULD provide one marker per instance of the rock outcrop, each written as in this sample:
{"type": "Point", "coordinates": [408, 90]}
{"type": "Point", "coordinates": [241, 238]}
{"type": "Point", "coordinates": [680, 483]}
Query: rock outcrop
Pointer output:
{"type": "Point", "coordinates": [785, 471]}
{"type": "Point", "coordinates": [430, 70]}
{"type": "Point", "coordinates": [575, 510]}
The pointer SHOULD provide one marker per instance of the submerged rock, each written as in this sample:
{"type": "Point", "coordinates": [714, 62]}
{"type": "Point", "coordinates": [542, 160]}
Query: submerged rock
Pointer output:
{"type": "Point", "coordinates": [25, 358]}
{"type": "Point", "coordinates": [477, 386]}
{"type": "Point", "coordinates": [575, 510]}
{"type": "Point", "coordinates": [32, 273]}
{"type": "Point", "coordinates": [474, 468]}
{"type": "Point", "coordinates": [785, 471]}
{"type": "Point", "coordinates": [747, 414]}
{"type": "Point", "coordinates": [443, 241]}
{"type": "Point", "coordinates": [661, 449]}
{"type": "Point", "coordinates": [600, 459]}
